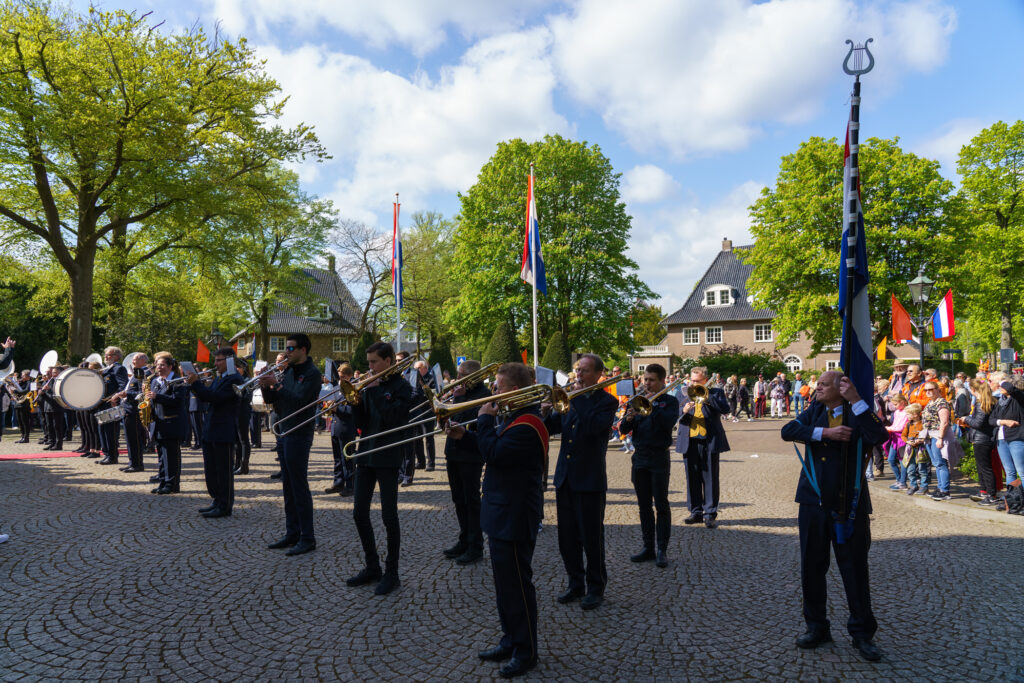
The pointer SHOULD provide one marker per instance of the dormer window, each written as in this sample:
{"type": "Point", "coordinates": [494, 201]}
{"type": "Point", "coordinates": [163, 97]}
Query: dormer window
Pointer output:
{"type": "Point", "coordinates": [718, 295]}
{"type": "Point", "coordinates": [318, 311]}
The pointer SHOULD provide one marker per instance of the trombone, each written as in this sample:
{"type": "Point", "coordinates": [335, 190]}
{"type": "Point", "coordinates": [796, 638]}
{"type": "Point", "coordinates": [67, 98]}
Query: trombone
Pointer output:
{"type": "Point", "coordinates": [593, 387]}
{"type": "Point", "coordinates": [483, 374]}
{"type": "Point", "coordinates": [349, 391]}
{"type": "Point", "coordinates": [643, 405]}
{"type": "Point", "coordinates": [240, 389]}
{"type": "Point", "coordinates": [508, 402]}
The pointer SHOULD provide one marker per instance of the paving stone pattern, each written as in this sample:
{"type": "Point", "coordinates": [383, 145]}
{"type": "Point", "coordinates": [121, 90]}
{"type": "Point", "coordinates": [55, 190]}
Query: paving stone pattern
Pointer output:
{"type": "Point", "coordinates": [103, 580]}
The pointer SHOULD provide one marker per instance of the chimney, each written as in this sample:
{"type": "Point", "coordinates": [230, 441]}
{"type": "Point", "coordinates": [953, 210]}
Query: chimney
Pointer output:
{"type": "Point", "coordinates": [726, 245]}
{"type": "Point", "coordinates": [330, 263]}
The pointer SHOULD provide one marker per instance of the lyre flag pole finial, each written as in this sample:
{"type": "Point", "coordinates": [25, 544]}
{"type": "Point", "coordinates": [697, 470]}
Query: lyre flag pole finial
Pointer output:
{"type": "Point", "coordinates": [858, 52]}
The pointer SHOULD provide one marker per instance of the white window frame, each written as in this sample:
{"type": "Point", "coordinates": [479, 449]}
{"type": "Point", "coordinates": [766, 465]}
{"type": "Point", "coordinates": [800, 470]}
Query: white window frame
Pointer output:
{"type": "Point", "coordinates": [792, 366]}
{"type": "Point", "coordinates": [710, 297]}
{"type": "Point", "coordinates": [831, 365]}
{"type": "Point", "coordinates": [641, 369]}
{"type": "Point", "coordinates": [696, 335]}
{"type": "Point", "coordinates": [718, 296]}
{"type": "Point", "coordinates": [339, 345]}
{"type": "Point", "coordinates": [759, 327]}
{"type": "Point", "coordinates": [707, 335]}
{"type": "Point", "coordinates": [277, 343]}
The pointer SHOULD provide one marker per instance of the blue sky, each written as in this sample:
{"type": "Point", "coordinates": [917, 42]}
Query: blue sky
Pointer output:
{"type": "Point", "coordinates": [693, 101]}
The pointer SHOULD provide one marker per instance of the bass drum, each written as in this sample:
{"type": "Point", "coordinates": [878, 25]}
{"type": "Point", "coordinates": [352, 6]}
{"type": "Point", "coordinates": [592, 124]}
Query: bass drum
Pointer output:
{"type": "Point", "coordinates": [78, 389]}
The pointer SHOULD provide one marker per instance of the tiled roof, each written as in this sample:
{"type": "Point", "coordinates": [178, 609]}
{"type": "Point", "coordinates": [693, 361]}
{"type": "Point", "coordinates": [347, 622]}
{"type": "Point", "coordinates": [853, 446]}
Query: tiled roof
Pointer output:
{"type": "Point", "coordinates": [728, 270]}
{"type": "Point", "coordinates": [324, 286]}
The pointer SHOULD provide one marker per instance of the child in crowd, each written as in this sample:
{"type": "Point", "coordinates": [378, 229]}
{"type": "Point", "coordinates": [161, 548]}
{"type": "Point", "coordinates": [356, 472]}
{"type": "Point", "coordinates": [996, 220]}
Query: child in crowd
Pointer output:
{"type": "Point", "coordinates": [915, 457]}
{"type": "Point", "coordinates": [895, 445]}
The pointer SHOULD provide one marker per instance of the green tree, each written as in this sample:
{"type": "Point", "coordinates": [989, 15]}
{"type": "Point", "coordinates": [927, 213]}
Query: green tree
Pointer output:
{"type": "Point", "coordinates": [646, 321]}
{"type": "Point", "coordinates": [798, 225]}
{"type": "Point", "coordinates": [426, 282]}
{"type": "Point", "coordinates": [116, 135]}
{"type": "Point", "coordinates": [584, 227]}
{"type": "Point", "coordinates": [359, 353]}
{"type": "Point", "coordinates": [557, 355]}
{"type": "Point", "coordinates": [441, 354]}
{"type": "Point", "coordinates": [503, 347]}
{"type": "Point", "coordinates": [992, 168]}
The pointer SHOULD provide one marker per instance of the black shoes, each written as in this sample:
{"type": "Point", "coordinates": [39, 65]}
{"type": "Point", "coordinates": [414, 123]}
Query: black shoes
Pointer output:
{"type": "Point", "coordinates": [155, 479]}
{"type": "Point", "coordinates": [345, 491]}
{"type": "Point", "coordinates": [456, 550]}
{"type": "Point", "coordinates": [277, 475]}
{"type": "Point", "coordinates": [208, 508]}
{"type": "Point", "coordinates": [285, 542]}
{"type": "Point", "coordinates": [430, 468]}
{"type": "Point", "coordinates": [108, 461]}
{"type": "Point", "coordinates": [710, 522]}
{"type": "Point", "coordinates": [591, 601]}
{"type": "Point", "coordinates": [164, 490]}
{"type": "Point", "coordinates": [470, 556]}
{"type": "Point", "coordinates": [661, 559]}
{"type": "Point", "coordinates": [570, 595]}
{"type": "Point", "coordinates": [367, 575]}
{"type": "Point", "coordinates": [868, 650]}
{"type": "Point", "coordinates": [498, 653]}
{"type": "Point", "coordinates": [812, 639]}
{"type": "Point", "coordinates": [302, 547]}
{"type": "Point", "coordinates": [516, 667]}
{"type": "Point", "coordinates": [645, 555]}
{"type": "Point", "coordinates": [388, 583]}
{"type": "Point", "coordinates": [333, 489]}
{"type": "Point", "coordinates": [132, 470]}
{"type": "Point", "coordinates": [244, 469]}
{"type": "Point", "coordinates": [217, 512]}
{"type": "Point", "coordinates": [696, 517]}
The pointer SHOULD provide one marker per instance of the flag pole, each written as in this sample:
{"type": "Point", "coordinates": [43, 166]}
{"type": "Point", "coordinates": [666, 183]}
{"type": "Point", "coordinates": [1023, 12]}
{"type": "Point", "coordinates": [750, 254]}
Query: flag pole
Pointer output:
{"type": "Point", "coordinates": [533, 269]}
{"type": "Point", "coordinates": [396, 284]}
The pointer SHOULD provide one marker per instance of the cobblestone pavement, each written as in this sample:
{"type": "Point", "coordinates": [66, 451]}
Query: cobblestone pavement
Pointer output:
{"type": "Point", "coordinates": [102, 580]}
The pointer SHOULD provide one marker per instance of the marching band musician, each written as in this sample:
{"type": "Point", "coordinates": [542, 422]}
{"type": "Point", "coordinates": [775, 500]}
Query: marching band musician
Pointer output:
{"type": "Point", "coordinates": [195, 422]}
{"type": "Point", "coordinates": [87, 424]}
{"type": "Point", "coordinates": [170, 412]}
{"type": "Point", "coordinates": [383, 405]}
{"type": "Point", "coordinates": [652, 436]}
{"type": "Point", "coordinates": [343, 430]}
{"type": "Point", "coordinates": [243, 449]}
{"type": "Point", "coordinates": [24, 408]}
{"type": "Point", "coordinates": [707, 440]}
{"type": "Point", "coordinates": [581, 483]}
{"type": "Point", "coordinates": [280, 358]}
{"type": "Point", "coordinates": [515, 453]}
{"type": "Point", "coordinates": [424, 378]}
{"type": "Point", "coordinates": [298, 388]}
{"type": "Point", "coordinates": [133, 431]}
{"type": "Point", "coordinates": [465, 465]}
{"type": "Point", "coordinates": [219, 432]}
{"type": "Point", "coordinates": [53, 412]}
{"type": "Point", "coordinates": [115, 379]}
{"type": "Point", "coordinates": [8, 355]}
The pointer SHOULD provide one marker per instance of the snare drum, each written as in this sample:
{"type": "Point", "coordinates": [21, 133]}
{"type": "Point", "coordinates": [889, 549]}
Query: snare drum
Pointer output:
{"type": "Point", "coordinates": [110, 415]}
{"type": "Point", "coordinates": [78, 389]}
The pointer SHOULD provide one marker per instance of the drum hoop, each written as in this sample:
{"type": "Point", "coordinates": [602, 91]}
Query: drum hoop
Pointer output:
{"type": "Point", "coordinates": [58, 389]}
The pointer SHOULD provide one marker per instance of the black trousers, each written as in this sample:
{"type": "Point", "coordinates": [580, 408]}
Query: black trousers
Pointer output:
{"type": "Point", "coordinates": [25, 420]}
{"type": "Point", "coordinates": [110, 439]}
{"type": "Point", "coordinates": [408, 468]}
{"type": "Point", "coordinates": [817, 537]}
{"type": "Point", "coordinates": [242, 448]}
{"type": "Point", "coordinates": [344, 469]}
{"type": "Point", "coordinates": [512, 566]}
{"type": "Point", "coordinates": [256, 429]}
{"type": "Point", "coordinates": [133, 436]}
{"type": "Point", "coordinates": [701, 477]}
{"type": "Point", "coordinates": [54, 427]}
{"type": "Point", "coordinates": [387, 479]}
{"type": "Point", "coordinates": [220, 480]}
{"type": "Point", "coordinates": [652, 485]}
{"type": "Point", "coordinates": [89, 429]}
{"type": "Point", "coordinates": [169, 455]}
{"type": "Point", "coordinates": [429, 458]}
{"type": "Point", "coordinates": [195, 421]}
{"type": "Point", "coordinates": [293, 451]}
{"type": "Point", "coordinates": [983, 460]}
{"type": "Point", "coordinates": [581, 532]}
{"type": "Point", "coordinates": [464, 482]}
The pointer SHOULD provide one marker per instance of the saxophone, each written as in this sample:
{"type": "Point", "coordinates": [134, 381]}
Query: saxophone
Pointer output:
{"type": "Point", "coordinates": [145, 407]}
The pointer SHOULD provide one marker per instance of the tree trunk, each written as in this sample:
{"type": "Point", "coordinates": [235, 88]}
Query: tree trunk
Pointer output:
{"type": "Point", "coordinates": [80, 277]}
{"type": "Point", "coordinates": [263, 340]}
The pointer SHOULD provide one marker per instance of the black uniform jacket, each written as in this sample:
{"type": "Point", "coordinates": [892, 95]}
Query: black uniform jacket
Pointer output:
{"type": "Point", "coordinates": [133, 391]}
{"type": "Point", "coordinates": [652, 435]}
{"type": "Point", "coordinates": [7, 357]}
{"type": "Point", "coordinates": [826, 456]}
{"type": "Point", "coordinates": [384, 407]}
{"type": "Point", "coordinates": [115, 379]}
{"type": "Point", "coordinates": [466, 449]}
{"type": "Point", "coordinates": [300, 385]}
{"type": "Point", "coordinates": [343, 426]}
{"type": "Point", "coordinates": [585, 429]}
{"type": "Point", "coordinates": [715, 406]}
{"type": "Point", "coordinates": [170, 410]}
{"type": "Point", "coordinates": [222, 401]}
{"type": "Point", "coordinates": [513, 498]}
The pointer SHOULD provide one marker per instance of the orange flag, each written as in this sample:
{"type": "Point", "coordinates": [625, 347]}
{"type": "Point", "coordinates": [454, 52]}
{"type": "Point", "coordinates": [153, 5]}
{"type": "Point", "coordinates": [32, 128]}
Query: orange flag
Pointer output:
{"type": "Point", "coordinates": [902, 328]}
{"type": "Point", "coordinates": [880, 351]}
{"type": "Point", "coordinates": [202, 353]}
{"type": "Point", "coordinates": [524, 357]}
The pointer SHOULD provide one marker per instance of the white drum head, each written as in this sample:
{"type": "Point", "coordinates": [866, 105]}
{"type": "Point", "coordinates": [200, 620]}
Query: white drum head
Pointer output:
{"type": "Point", "coordinates": [78, 389]}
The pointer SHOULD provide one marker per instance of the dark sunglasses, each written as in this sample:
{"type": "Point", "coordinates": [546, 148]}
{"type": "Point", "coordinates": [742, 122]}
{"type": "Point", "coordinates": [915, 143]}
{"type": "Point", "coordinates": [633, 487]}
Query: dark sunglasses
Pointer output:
{"type": "Point", "coordinates": [290, 348]}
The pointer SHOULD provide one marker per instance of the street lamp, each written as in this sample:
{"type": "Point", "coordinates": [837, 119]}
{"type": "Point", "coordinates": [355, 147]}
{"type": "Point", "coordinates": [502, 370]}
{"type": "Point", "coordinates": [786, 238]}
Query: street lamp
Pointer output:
{"type": "Point", "coordinates": [920, 289]}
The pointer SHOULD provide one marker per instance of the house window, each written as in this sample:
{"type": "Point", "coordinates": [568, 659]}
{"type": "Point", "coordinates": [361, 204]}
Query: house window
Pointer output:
{"type": "Point", "coordinates": [713, 335]}
{"type": "Point", "coordinates": [277, 343]}
{"type": "Point", "coordinates": [641, 369]}
{"type": "Point", "coordinates": [718, 295]}
{"type": "Point", "coordinates": [793, 363]}
{"type": "Point", "coordinates": [339, 345]}
{"type": "Point", "coordinates": [319, 311]}
{"type": "Point", "coordinates": [710, 298]}
{"type": "Point", "coordinates": [831, 365]}
{"type": "Point", "coordinates": [763, 333]}
{"type": "Point", "coordinates": [691, 335]}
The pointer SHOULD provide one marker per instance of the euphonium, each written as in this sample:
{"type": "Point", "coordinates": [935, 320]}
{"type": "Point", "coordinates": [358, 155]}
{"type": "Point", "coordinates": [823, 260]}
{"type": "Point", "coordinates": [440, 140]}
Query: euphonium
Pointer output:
{"type": "Point", "coordinates": [697, 392]}
{"type": "Point", "coordinates": [643, 405]}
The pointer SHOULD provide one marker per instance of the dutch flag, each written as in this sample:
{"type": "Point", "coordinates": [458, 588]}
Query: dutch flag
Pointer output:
{"type": "Point", "coordinates": [531, 245]}
{"type": "Point", "coordinates": [943, 326]}
{"type": "Point", "coordinates": [396, 260]}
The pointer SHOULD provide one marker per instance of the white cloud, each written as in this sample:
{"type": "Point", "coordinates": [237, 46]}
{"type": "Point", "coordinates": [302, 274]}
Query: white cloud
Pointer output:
{"type": "Point", "coordinates": [417, 136]}
{"type": "Point", "coordinates": [419, 25]}
{"type": "Point", "coordinates": [647, 183]}
{"type": "Point", "coordinates": [675, 245]}
{"type": "Point", "coordinates": [944, 144]}
{"type": "Point", "coordinates": [698, 77]}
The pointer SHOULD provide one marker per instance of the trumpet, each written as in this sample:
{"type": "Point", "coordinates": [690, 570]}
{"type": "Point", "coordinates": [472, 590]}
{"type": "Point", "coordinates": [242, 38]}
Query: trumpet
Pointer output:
{"type": "Point", "coordinates": [509, 401]}
{"type": "Point", "coordinates": [181, 380]}
{"type": "Point", "coordinates": [240, 389]}
{"type": "Point", "coordinates": [643, 405]}
{"type": "Point", "coordinates": [345, 391]}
